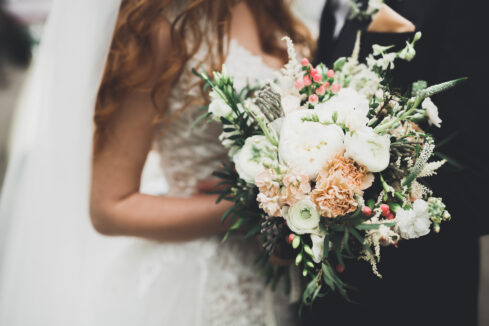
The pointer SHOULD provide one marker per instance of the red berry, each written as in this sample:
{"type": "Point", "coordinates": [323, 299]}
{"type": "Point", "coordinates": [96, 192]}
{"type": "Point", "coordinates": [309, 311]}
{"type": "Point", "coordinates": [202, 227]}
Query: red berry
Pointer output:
{"type": "Point", "coordinates": [367, 211]}
{"type": "Point", "coordinates": [307, 81]}
{"type": "Point", "coordinates": [390, 216]}
{"type": "Point", "coordinates": [340, 268]}
{"type": "Point", "coordinates": [317, 78]}
{"type": "Point", "coordinates": [385, 210]}
{"type": "Point", "coordinates": [290, 238]}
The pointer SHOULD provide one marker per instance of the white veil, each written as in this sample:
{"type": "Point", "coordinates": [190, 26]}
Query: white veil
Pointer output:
{"type": "Point", "coordinates": [44, 227]}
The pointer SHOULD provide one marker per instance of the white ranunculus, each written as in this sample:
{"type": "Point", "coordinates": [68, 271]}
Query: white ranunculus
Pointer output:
{"type": "Point", "coordinates": [317, 247]}
{"type": "Point", "coordinates": [368, 148]}
{"type": "Point", "coordinates": [431, 112]}
{"type": "Point", "coordinates": [303, 217]}
{"type": "Point", "coordinates": [290, 103]}
{"type": "Point", "coordinates": [308, 145]}
{"type": "Point", "coordinates": [218, 107]}
{"type": "Point", "coordinates": [415, 222]}
{"type": "Point", "coordinates": [253, 157]}
{"type": "Point", "coordinates": [349, 106]}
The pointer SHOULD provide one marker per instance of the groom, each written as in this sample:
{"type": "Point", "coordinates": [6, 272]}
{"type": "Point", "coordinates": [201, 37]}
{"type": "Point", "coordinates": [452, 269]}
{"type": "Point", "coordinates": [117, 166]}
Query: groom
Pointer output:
{"type": "Point", "coordinates": [434, 280]}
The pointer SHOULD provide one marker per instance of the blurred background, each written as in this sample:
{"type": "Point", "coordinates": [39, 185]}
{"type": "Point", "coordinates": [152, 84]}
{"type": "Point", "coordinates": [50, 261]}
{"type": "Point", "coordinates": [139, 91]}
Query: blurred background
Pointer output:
{"type": "Point", "coordinates": [21, 24]}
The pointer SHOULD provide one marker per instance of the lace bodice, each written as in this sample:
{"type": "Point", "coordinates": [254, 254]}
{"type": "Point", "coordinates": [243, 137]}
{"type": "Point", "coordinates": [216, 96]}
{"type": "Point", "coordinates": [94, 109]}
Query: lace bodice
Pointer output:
{"type": "Point", "coordinates": [191, 152]}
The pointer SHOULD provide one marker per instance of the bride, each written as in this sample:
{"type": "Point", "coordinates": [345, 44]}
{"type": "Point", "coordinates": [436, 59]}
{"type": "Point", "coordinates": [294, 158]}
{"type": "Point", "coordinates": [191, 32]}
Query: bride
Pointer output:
{"type": "Point", "coordinates": [148, 100]}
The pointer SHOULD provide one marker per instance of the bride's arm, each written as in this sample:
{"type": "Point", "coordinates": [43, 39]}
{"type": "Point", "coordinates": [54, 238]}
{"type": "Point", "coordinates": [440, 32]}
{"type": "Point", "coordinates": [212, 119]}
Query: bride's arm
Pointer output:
{"type": "Point", "coordinates": [117, 207]}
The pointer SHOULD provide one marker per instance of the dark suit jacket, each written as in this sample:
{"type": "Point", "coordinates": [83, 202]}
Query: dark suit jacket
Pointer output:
{"type": "Point", "coordinates": [431, 280]}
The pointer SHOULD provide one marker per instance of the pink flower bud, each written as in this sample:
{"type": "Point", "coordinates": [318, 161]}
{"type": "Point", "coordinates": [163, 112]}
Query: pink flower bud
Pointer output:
{"type": "Point", "coordinates": [313, 98]}
{"type": "Point", "coordinates": [326, 85]}
{"type": "Point", "coordinates": [320, 90]}
{"type": "Point", "coordinates": [304, 62]}
{"type": "Point", "coordinates": [299, 84]}
{"type": "Point", "coordinates": [307, 81]}
{"type": "Point", "coordinates": [317, 78]}
{"type": "Point", "coordinates": [314, 72]}
{"type": "Point", "coordinates": [335, 88]}
{"type": "Point", "coordinates": [330, 73]}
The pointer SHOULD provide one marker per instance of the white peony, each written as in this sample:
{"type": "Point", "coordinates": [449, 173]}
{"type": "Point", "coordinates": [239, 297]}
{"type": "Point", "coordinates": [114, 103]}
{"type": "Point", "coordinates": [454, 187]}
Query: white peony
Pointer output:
{"type": "Point", "coordinates": [308, 145]}
{"type": "Point", "coordinates": [368, 148]}
{"type": "Point", "coordinates": [218, 107]}
{"type": "Point", "coordinates": [253, 157]}
{"type": "Point", "coordinates": [415, 222]}
{"type": "Point", "coordinates": [431, 112]}
{"type": "Point", "coordinates": [349, 106]}
{"type": "Point", "coordinates": [317, 247]}
{"type": "Point", "coordinates": [290, 103]}
{"type": "Point", "coordinates": [302, 217]}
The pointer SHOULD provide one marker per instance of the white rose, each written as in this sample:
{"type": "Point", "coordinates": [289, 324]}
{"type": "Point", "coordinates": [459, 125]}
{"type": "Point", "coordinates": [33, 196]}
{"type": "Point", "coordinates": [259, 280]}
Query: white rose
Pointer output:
{"type": "Point", "coordinates": [290, 103]}
{"type": "Point", "coordinates": [218, 107]}
{"type": "Point", "coordinates": [308, 145]}
{"type": "Point", "coordinates": [302, 217]}
{"type": "Point", "coordinates": [251, 159]}
{"type": "Point", "coordinates": [317, 247]}
{"type": "Point", "coordinates": [415, 222]}
{"type": "Point", "coordinates": [366, 147]}
{"type": "Point", "coordinates": [349, 106]}
{"type": "Point", "coordinates": [431, 112]}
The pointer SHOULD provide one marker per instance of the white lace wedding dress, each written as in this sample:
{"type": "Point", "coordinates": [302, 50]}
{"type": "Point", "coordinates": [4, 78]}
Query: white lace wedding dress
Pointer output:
{"type": "Point", "coordinates": [209, 283]}
{"type": "Point", "coordinates": [54, 269]}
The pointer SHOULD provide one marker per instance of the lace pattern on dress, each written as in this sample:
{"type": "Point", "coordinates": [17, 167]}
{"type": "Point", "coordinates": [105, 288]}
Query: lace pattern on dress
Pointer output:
{"type": "Point", "coordinates": [233, 293]}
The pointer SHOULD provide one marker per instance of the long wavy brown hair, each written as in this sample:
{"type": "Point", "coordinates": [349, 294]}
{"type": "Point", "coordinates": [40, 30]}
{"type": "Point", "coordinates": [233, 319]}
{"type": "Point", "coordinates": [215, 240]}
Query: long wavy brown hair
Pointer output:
{"type": "Point", "coordinates": [132, 64]}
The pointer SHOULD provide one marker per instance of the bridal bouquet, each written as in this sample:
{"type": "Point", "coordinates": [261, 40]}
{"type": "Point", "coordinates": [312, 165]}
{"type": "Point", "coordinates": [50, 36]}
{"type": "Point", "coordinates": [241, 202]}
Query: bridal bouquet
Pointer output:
{"type": "Point", "coordinates": [327, 164]}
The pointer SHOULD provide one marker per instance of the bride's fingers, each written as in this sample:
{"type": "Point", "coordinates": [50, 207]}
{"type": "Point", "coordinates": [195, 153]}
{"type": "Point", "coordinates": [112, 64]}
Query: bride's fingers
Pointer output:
{"type": "Point", "coordinates": [389, 21]}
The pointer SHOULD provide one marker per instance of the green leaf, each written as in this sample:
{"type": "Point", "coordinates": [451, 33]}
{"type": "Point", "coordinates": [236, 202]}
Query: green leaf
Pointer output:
{"type": "Point", "coordinates": [368, 226]}
{"type": "Point", "coordinates": [435, 89]}
{"type": "Point", "coordinates": [227, 213]}
{"type": "Point", "coordinates": [339, 63]}
{"type": "Point", "coordinates": [298, 259]}
{"type": "Point", "coordinates": [357, 236]}
{"type": "Point", "coordinates": [239, 223]}
{"type": "Point", "coordinates": [255, 230]}
{"type": "Point", "coordinates": [308, 250]}
{"type": "Point", "coordinates": [326, 246]}
{"type": "Point", "coordinates": [296, 242]}
{"type": "Point", "coordinates": [200, 118]}
{"type": "Point", "coordinates": [339, 256]}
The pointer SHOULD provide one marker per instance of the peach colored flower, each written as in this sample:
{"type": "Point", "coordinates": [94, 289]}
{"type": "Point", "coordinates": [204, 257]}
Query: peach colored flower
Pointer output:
{"type": "Point", "coordinates": [295, 186]}
{"type": "Point", "coordinates": [335, 196]}
{"type": "Point", "coordinates": [267, 183]}
{"type": "Point", "coordinates": [356, 175]}
{"type": "Point", "coordinates": [269, 204]}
